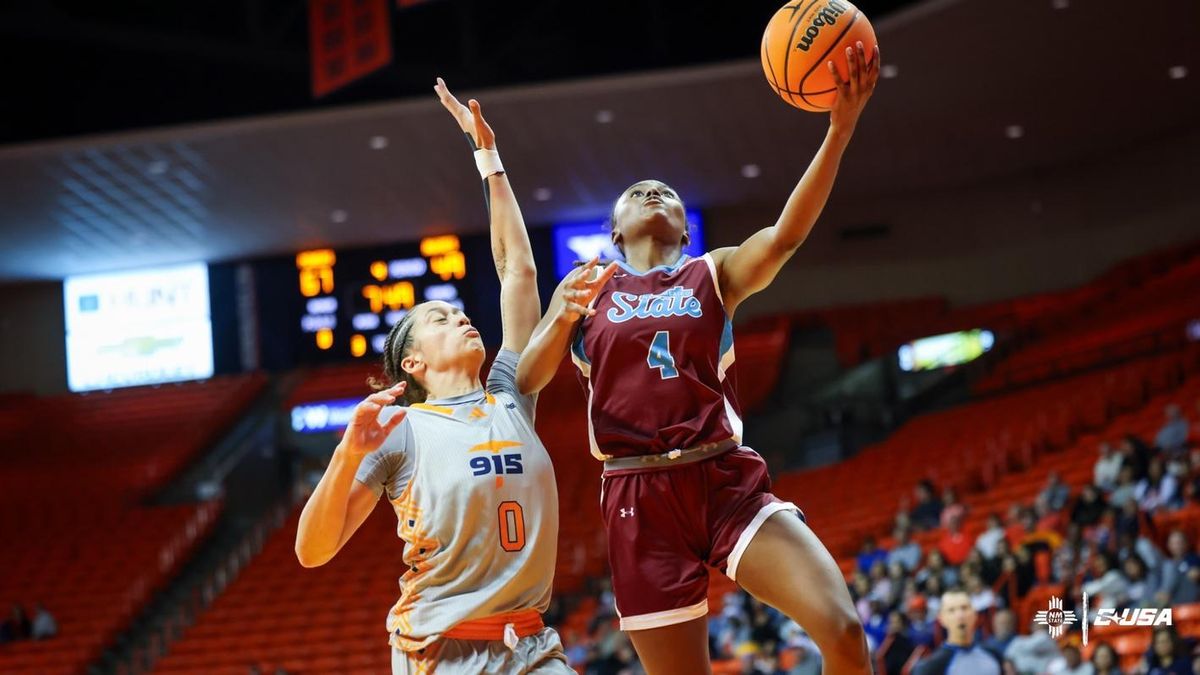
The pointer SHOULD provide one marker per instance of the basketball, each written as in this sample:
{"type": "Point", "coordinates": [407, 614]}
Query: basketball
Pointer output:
{"type": "Point", "coordinates": [800, 38]}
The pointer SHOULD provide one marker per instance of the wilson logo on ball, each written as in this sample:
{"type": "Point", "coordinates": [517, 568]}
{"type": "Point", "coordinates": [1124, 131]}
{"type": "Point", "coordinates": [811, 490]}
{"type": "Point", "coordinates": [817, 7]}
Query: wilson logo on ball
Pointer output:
{"type": "Point", "coordinates": [828, 16]}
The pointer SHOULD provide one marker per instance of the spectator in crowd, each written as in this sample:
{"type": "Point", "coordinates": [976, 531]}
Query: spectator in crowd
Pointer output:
{"type": "Point", "coordinates": [1072, 556]}
{"type": "Point", "coordinates": [932, 600]}
{"type": "Point", "coordinates": [881, 583]}
{"type": "Point", "coordinates": [1129, 521]}
{"type": "Point", "coordinates": [987, 540]}
{"type": "Point", "coordinates": [1004, 629]}
{"type": "Point", "coordinates": [1135, 454]}
{"type": "Point", "coordinates": [897, 646]}
{"type": "Point", "coordinates": [983, 600]}
{"type": "Point", "coordinates": [951, 508]}
{"type": "Point", "coordinates": [1194, 438]}
{"type": "Point", "coordinates": [1071, 663]}
{"type": "Point", "coordinates": [1191, 482]}
{"type": "Point", "coordinates": [1126, 489]}
{"type": "Point", "coordinates": [1014, 527]}
{"type": "Point", "coordinates": [876, 624]}
{"type": "Point", "coordinates": [1172, 437]}
{"type": "Point", "coordinates": [1035, 536]}
{"type": "Point", "coordinates": [1049, 519]}
{"type": "Point", "coordinates": [906, 551]}
{"type": "Point", "coordinates": [17, 627]}
{"type": "Point", "coordinates": [1105, 661]}
{"type": "Point", "coordinates": [921, 629]}
{"type": "Point", "coordinates": [927, 512]}
{"type": "Point", "coordinates": [1159, 489]}
{"type": "Point", "coordinates": [1107, 585]}
{"type": "Point", "coordinates": [960, 654]}
{"type": "Point", "coordinates": [1179, 575]}
{"type": "Point", "coordinates": [1129, 546]}
{"type": "Point", "coordinates": [1107, 468]}
{"type": "Point", "coordinates": [868, 553]}
{"type": "Point", "coordinates": [1055, 493]}
{"type": "Point", "coordinates": [807, 655]}
{"type": "Point", "coordinates": [1139, 590]}
{"type": "Point", "coordinates": [1032, 654]}
{"type": "Point", "coordinates": [577, 648]}
{"type": "Point", "coordinates": [954, 545]}
{"type": "Point", "coordinates": [1089, 507]}
{"type": "Point", "coordinates": [44, 625]}
{"type": "Point", "coordinates": [860, 590]}
{"type": "Point", "coordinates": [935, 565]}
{"type": "Point", "coordinates": [1166, 654]}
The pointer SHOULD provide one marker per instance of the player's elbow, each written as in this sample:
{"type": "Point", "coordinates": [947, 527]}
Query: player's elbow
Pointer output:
{"type": "Point", "coordinates": [309, 558]}
{"type": "Point", "coordinates": [520, 271]}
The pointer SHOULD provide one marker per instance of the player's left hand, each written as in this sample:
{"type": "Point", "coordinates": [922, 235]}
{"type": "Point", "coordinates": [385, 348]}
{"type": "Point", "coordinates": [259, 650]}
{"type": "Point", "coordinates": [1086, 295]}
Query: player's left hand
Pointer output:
{"type": "Point", "coordinates": [853, 93]}
{"type": "Point", "coordinates": [470, 120]}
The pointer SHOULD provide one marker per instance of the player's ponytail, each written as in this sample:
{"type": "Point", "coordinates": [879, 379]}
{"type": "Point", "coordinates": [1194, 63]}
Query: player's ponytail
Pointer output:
{"type": "Point", "coordinates": [395, 348]}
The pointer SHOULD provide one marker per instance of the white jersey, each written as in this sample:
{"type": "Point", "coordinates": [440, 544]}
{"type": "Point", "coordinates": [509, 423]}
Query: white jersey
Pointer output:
{"type": "Point", "coordinates": [474, 494]}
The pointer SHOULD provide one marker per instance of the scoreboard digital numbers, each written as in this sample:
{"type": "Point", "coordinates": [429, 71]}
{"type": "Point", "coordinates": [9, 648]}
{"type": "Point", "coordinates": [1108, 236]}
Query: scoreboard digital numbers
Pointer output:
{"type": "Point", "coordinates": [351, 299]}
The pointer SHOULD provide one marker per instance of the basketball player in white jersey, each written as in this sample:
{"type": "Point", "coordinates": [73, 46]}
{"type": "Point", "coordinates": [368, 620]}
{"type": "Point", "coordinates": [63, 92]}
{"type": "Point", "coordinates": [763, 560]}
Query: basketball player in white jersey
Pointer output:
{"type": "Point", "coordinates": [472, 486]}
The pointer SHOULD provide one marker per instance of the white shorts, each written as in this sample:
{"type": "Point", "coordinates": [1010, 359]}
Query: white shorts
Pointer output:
{"type": "Point", "coordinates": [540, 654]}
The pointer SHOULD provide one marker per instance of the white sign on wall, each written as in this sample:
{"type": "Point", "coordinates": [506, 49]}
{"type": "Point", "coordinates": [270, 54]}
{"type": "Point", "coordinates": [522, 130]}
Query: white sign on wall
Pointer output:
{"type": "Point", "coordinates": [142, 327]}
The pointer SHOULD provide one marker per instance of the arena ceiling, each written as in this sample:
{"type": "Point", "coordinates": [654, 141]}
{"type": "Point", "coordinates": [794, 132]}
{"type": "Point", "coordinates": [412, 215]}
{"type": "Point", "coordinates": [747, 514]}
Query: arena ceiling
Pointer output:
{"type": "Point", "coordinates": [981, 90]}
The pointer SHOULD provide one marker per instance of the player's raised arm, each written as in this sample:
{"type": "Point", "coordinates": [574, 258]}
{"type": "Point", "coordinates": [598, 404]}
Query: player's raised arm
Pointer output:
{"type": "Point", "coordinates": [554, 333]}
{"type": "Point", "coordinates": [511, 252]}
{"type": "Point", "coordinates": [340, 504]}
{"type": "Point", "coordinates": [749, 268]}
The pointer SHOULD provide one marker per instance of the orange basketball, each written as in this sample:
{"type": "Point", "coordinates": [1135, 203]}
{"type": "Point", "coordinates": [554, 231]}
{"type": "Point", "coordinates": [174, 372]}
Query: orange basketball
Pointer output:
{"type": "Point", "coordinates": [801, 37]}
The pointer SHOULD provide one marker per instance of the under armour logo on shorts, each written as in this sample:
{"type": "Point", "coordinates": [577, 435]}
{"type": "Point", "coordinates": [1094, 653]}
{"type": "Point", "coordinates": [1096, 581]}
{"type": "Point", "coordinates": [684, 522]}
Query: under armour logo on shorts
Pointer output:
{"type": "Point", "coordinates": [627, 513]}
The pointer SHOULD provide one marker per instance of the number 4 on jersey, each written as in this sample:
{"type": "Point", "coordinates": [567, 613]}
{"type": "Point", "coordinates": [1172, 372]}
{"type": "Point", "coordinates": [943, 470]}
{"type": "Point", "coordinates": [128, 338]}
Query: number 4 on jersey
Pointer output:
{"type": "Point", "coordinates": [660, 355]}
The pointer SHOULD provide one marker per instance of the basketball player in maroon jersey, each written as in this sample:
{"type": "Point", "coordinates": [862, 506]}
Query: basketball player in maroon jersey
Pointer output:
{"type": "Point", "coordinates": [653, 341]}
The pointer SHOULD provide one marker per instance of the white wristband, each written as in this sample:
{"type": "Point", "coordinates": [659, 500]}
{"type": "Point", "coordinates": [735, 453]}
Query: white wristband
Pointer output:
{"type": "Point", "coordinates": [488, 162]}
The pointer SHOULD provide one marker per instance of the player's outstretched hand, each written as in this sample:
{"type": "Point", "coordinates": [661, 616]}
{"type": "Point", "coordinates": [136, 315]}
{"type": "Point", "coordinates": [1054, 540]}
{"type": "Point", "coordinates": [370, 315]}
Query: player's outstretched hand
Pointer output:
{"type": "Point", "coordinates": [470, 120]}
{"type": "Point", "coordinates": [582, 286]}
{"type": "Point", "coordinates": [853, 93]}
{"type": "Point", "coordinates": [366, 433]}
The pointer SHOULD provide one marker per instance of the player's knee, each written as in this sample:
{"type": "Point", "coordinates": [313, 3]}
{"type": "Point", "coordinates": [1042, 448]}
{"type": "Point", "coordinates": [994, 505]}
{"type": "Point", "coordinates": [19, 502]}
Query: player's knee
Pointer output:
{"type": "Point", "coordinates": [847, 638]}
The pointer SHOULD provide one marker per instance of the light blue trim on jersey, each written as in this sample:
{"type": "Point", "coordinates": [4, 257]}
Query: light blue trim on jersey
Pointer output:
{"type": "Point", "coordinates": [657, 268]}
{"type": "Point", "coordinates": [577, 347]}
{"type": "Point", "coordinates": [726, 339]}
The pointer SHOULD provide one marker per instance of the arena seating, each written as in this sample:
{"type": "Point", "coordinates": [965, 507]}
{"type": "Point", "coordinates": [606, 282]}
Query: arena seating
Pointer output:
{"type": "Point", "coordinates": [76, 467]}
{"type": "Point", "coordinates": [277, 614]}
{"type": "Point", "coordinates": [125, 443]}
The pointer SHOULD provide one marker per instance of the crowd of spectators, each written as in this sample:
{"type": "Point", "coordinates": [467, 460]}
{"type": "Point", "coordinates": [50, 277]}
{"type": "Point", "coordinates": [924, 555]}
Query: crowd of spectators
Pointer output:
{"type": "Point", "coordinates": [1099, 538]}
{"type": "Point", "coordinates": [19, 626]}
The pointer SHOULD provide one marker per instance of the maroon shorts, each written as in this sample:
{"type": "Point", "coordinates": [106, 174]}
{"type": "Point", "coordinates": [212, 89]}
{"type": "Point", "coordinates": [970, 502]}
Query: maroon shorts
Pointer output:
{"type": "Point", "coordinates": [665, 525]}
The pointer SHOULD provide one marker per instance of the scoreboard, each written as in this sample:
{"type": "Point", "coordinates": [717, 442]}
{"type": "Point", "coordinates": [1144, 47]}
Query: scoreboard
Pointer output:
{"type": "Point", "coordinates": [349, 300]}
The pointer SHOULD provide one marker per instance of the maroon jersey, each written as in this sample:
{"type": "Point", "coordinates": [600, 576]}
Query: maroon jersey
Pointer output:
{"type": "Point", "coordinates": [657, 361]}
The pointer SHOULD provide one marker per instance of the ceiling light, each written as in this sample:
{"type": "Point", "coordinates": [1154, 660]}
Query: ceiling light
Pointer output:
{"type": "Point", "coordinates": [751, 171]}
{"type": "Point", "coordinates": [1014, 131]}
{"type": "Point", "coordinates": [542, 194]}
{"type": "Point", "coordinates": [889, 70]}
{"type": "Point", "coordinates": [339, 216]}
{"type": "Point", "coordinates": [604, 116]}
{"type": "Point", "coordinates": [1060, 4]}
{"type": "Point", "coordinates": [378, 142]}
{"type": "Point", "coordinates": [1177, 72]}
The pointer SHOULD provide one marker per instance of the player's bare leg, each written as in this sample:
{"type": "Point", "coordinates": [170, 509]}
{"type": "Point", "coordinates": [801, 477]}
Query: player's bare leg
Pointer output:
{"type": "Point", "coordinates": [787, 567]}
{"type": "Point", "coordinates": [679, 649]}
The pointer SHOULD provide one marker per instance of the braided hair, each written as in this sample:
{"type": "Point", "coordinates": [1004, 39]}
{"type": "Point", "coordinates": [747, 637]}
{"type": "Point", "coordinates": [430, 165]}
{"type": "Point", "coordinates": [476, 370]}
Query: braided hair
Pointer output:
{"type": "Point", "coordinates": [398, 344]}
